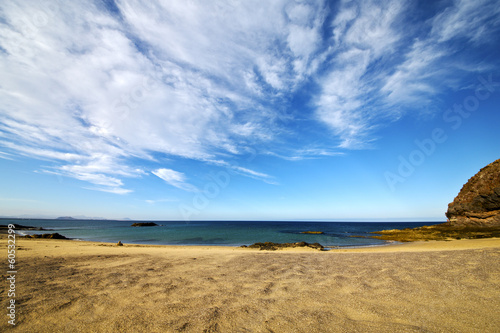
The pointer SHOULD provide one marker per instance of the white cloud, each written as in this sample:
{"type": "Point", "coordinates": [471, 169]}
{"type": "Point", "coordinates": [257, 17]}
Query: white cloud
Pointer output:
{"type": "Point", "coordinates": [174, 178]}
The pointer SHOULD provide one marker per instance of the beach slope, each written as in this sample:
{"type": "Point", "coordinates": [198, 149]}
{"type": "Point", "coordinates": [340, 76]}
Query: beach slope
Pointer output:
{"type": "Point", "coordinates": [70, 286]}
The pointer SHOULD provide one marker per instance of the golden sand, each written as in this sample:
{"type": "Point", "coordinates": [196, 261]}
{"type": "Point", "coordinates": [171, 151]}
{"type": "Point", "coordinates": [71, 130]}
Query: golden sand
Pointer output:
{"type": "Point", "coordinates": [70, 286]}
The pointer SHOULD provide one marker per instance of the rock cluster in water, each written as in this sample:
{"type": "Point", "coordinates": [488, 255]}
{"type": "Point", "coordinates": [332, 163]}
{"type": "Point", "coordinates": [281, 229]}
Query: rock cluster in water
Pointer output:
{"type": "Point", "coordinates": [144, 224]}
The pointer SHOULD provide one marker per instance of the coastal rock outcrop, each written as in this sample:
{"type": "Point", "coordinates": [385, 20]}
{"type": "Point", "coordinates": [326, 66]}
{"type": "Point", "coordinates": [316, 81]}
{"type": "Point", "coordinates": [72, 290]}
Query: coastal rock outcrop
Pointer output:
{"type": "Point", "coordinates": [275, 246]}
{"type": "Point", "coordinates": [478, 202]}
{"type": "Point", "coordinates": [22, 227]}
{"type": "Point", "coordinates": [48, 236]}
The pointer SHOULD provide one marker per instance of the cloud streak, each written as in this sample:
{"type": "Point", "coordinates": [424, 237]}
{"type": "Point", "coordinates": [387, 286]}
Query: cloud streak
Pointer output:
{"type": "Point", "coordinates": [174, 178]}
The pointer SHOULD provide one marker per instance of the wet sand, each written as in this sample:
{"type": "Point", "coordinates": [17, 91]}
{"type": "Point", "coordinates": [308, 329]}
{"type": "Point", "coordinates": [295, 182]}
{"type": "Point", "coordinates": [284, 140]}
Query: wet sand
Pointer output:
{"type": "Point", "coordinates": [71, 286]}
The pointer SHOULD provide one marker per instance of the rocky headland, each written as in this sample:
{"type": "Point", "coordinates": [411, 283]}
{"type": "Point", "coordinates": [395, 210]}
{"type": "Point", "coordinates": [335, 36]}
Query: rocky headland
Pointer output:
{"type": "Point", "coordinates": [478, 202]}
{"type": "Point", "coordinates": [474, 213]}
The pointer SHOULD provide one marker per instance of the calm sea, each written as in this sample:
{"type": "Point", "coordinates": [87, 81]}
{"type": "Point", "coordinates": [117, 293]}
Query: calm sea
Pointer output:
{"type": "Point", "coordinates": [225, 233]}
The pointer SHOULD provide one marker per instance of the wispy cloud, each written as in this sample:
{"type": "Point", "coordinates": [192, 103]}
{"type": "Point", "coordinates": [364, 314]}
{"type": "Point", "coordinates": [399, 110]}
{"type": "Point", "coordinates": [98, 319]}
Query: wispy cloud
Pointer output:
{"type": "Point", "coordinates": [174, 178]}
{"type": "Point", "coordinates": [255, 174]}
{"type": "Point", "coordinates": [155, 201]}
{"type": "Point", "coordinates": [305, 154]}
{"type": "Point", "coordinates": [476, 21]}
{"type": "Point", "coordinates": [428, 66]}
{"type": "Point", "coordinates": [6, 156]}
{"type": "Point", "coordinates": [244, 171]}
{"type": "Point", "coordinates": [363, 33]}
{"type": "Point", "coordinates": [371, 84]}
{"type": "Point", "coordinates": [92, 86]}
{"type": "Point", "coordinates": [112, 189]}
{"type": "Point", "coordinates": [19, 200]}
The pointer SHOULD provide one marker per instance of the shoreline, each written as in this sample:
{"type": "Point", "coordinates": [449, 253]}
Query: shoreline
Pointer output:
{"type": "Point", "coordinates": [356, 248]}
{"type": "Point", "coordinates": [327, 247]}
{"type": "Point", "coordinates": [391, 246]}
{"type": "Point", "coordinates": [337, 234]}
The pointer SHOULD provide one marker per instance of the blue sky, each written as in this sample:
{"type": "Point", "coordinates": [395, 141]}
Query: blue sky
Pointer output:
{"type": "Point", "coordinates": [245, 110]}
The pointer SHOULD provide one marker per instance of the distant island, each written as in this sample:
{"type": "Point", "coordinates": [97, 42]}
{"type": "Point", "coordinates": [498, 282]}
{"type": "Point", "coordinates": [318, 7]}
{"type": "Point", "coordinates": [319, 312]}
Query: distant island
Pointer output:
{"type": "Point", "coordinates": [80, 218]}
{"type": "Point", "coordinates": [144, 224]}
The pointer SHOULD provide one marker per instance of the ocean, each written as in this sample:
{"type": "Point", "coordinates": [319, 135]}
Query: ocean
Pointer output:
{"type": "Point", "coordinates": [222, 233]}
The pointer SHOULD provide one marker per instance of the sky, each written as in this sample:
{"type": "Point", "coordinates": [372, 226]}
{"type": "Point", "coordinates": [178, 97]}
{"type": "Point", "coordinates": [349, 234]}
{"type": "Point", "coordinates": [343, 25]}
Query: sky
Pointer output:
{"type": "Point", "coordinates": [245, 110]}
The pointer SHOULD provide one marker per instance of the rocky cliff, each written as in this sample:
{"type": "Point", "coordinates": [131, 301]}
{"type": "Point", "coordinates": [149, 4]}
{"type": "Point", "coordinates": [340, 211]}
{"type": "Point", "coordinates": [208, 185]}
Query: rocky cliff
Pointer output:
{"type": "Point", "coordinates": [478, 202]}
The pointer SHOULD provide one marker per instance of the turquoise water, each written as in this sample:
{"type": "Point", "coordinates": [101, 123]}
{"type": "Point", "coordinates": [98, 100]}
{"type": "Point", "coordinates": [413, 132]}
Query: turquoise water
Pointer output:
{"type": "Point", "coordinates": [225, 233]}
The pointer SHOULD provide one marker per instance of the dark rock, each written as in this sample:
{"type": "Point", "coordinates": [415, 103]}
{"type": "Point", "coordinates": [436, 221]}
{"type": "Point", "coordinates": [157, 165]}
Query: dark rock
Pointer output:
{"type": "Point", "coordinates": [317, 246]}
{"type": "Point", "coordinates": [119, 243]}
{"type": "Point", "coordinates": [49, 236]}
{"type": "Point", "coordinates": [442, 231]}
{"type": "Point", "coordinates": [275, 246]}
{"type": "Point", "coordinates": [478, 202]}
{"type": "Point", "coordinates": [22, 227]}
{"type": "Point", "coordinates": [144, 224]}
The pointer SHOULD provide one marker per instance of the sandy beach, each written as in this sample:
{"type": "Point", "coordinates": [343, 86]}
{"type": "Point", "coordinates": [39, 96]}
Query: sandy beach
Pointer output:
{"type": "Point", "coordinates": [71, 286]}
